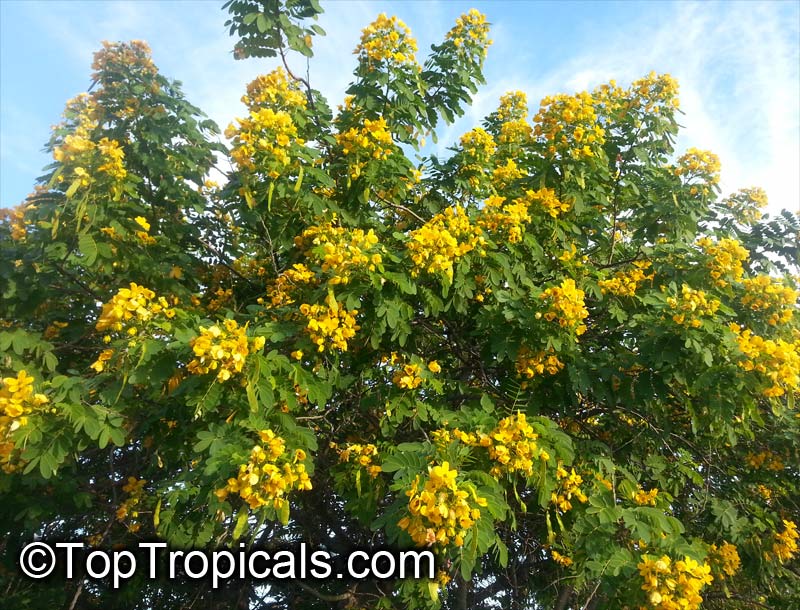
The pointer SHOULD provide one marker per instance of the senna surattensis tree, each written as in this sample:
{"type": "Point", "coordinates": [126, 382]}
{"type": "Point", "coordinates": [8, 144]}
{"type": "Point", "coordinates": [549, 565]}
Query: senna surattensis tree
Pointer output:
{"type": "Point", "coordinates": [559, 357]}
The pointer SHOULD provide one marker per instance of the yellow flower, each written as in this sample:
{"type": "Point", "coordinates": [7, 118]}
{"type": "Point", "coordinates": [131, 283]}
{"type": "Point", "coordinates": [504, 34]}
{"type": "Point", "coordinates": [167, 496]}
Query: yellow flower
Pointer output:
{"type": "Point", "coordinates": [542, 362]}
{"type": "Point", "coordinates": [785, 545]}
{"type": "Point", "coordinates": [360, 145]}
{"type": "Point", "coordinates": [132, 305]}
{"type": "Point", "coordinates": [222, 350]}
{"type": "Point", "coordinates": [269, 475]}
{"type": "Point", "coordinates": [671, 585]}
{"type": "Point", "coordinates": [330, 326]}
{"type": "Point", "coordinates": [443, 511]}
{"type": "Point", "coordinates": [387, 39]}
{"type": "Point", "coordinates": [566, 305]}
{"type": "Point", "coordinates": [441, 241]}
{"type": "Point", "coordinates": [340, 252]}
{"type": "Point", "coordinates": [100, 364]}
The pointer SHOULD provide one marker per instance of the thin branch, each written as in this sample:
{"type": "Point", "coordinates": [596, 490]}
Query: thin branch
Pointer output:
{"type": "Point", "coordinates": [77, 595]}
{"type": "Point", "coordinates": [563, 598]}
{"type": "Point", "coordinates": [223, 262]}
{"type": "Point", "coordinates": [400, 207]}
{"type": "Point", "coordinates": [78, 282]}
{"type": "Point", "coordinates": [341, 597]}
{"type": "Point", "coordinates": [738, 598]}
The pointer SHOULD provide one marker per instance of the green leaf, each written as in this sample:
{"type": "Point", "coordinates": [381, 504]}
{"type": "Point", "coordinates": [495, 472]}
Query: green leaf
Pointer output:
{"type": "Point", "coordinates": [73, 188]}
{"type": "Point", "coordinates": [241, 523]}
{"type": "Point", "coordinates": [88, 248]}
{"type": "Point", "coordinates": [283, 513]}
{"type": "Point", "coordinates": [251, 398]}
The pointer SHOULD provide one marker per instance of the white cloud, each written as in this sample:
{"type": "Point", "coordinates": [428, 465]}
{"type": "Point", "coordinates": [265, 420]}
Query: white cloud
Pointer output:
{"type": "Point", "coordinates": [737, 64]}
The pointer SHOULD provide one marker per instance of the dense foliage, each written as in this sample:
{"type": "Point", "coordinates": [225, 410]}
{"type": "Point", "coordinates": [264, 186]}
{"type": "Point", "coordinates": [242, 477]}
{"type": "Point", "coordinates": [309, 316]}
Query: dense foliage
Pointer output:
{"type": "Point", "coordinates": [559, 357]}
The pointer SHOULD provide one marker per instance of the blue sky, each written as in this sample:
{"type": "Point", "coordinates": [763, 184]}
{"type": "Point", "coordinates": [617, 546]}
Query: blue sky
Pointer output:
{"type": "Point", "coordinates": [738, 65]}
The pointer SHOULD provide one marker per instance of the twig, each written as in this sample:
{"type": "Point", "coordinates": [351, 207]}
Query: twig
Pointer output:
{"type": "Point", "coordinates": [75, 597]}
{"type": "Point", "coordinates": [325, 596]}
{"type": "Point", "coordinates": [400, 207]}
{"type": "Point", "coordinates": [223, 262]}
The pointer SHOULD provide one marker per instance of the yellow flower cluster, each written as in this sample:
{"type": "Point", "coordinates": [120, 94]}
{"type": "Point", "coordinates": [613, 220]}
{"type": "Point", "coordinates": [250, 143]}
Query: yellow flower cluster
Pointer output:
{"type": "Point", "coordinates": [511, 217]}
{"type": "Point", "coordinates": [513, 111]}
{"type": "Point", "coordinates": [512, 445]}
{"type": "Point", "coordinates": [280, 292]}
{"type": "Point", "coordinates": [691, 305]}
{"type": "Point", "coordinates": [340, 251]}
{"type": "Point", "coordinates": [407, 377]}
{"type": "Point", "coordinates": [112, 156]}
{"type": "Point", "coordinates": [701, 164]}
{"type": "Point", "coordinates": [779, 360]}
{"type": "Point", "coordinates": [562, 560]}
{"type": "Point", "coordinates": [504, 175]}
{"type": "Point", "coordinates": [539, 363]}
{"type": "Point", "coordinates": [99, 365]}
{"type": "Point", "coordinates": [645, 498]}
{"type": "Point", "coordinates": [765, 492]}
{"type": "Point", "coordinates": [546, 199]}
{"type": "Point", "coordinates": [263, 140]}
{"type": "Point", "coordinates": [143, 235]}
{"type": "Point", "coordinates": [223, 350]}
{"type": "Point", "coordinates": [220, 298]}
{"type": "Point", "coordinates": [746, 204]}
{"type": "Point", "coordinates": [656, 91]}
{"type": "Point", "coordinates": [54, 329]}
{"type": "Point", "coordinates": [133, 55]}
{"type": "Point", "coordinates": [15, 218]}
{"type": "Point", "coordinates": [387, 39]}
{"type": "Point", "coordinates": [269, 475]}
{"type": "Point", "coordinates": [646, 96]}
{"type": "Point", "coordinates": [128, 509]}
{"type": "Point", "coordinates": [441, 241]}
{"type": "Point", "coordinates": [785, 545]}
{"type": "Point", "coordinates": [568, 124]}
{"type": "Point", "coordinates": [442, 511]}
{"type": "Point", "coordinates": [80, 155]}
{"type": "Point", "coordinates": [625, 283]}
{"type": "Point", "coordinates": [362, 455]}
{"type": "Point", "coordinates": [513, 106]}
{"type": "Point", "coordinates": [515, 132]}
{"type": "Point", "coordinates": [763, 293]}
{"type": "Point", "coordinates": [471, 34]}
{"type": "Point", "coordinates": [17, 401]}
{"type": "Point", "coordinates": [359, 145]}
{"type": "Point", "coordinates": [275, 91]}
{"type": "Point", "coordinates": [673, 585]}
{"type": "Point", "coordinates": [727, 258]}
{"type": "Point", "coordinates": [478, 146]}
{"type": "Point", "coordinates": [569, 488]}
{"type": "Point", "coordinates": [131, 305]}
{"type": "Point", "coordinates": [330, 326]}
{"type": "Point", "coordinates": [566, 305]}
{"type": "Point", "coordinates": [764, 459]}
{"type": "Point", "coordinates": [724, 560]}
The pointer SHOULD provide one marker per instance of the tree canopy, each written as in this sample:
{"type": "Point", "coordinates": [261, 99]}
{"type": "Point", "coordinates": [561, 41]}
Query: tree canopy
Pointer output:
{"type": "Point", "coordinates": [559, 357]}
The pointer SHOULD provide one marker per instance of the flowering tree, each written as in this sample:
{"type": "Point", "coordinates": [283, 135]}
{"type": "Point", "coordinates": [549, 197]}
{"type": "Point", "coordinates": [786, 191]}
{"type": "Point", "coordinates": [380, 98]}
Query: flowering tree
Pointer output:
{"type": "Point", "coordinates": [558, 358]}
